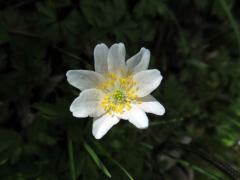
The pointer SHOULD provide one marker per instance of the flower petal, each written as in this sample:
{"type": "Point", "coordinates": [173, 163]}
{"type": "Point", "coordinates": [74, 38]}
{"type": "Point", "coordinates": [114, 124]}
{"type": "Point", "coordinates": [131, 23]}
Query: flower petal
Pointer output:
{"type": "Point", "coordinates": [103, 124]}
{"type": "Point", "coordinates": [147, 81]}
{"type": "Point", "coordinates": [137, 117]}
{"type": "Point", "coordinates": [100, 58]}
{"type": "Point", "coordinates": [151, 105]}
{"type": "Point", "coordinates": [116, 57]}
{"type": "Point", "coordinates": [87, 104]}
{"type": "Point", "coordinates": [84, 79]}
{"type": "Point", "coordinates": [139, 62]}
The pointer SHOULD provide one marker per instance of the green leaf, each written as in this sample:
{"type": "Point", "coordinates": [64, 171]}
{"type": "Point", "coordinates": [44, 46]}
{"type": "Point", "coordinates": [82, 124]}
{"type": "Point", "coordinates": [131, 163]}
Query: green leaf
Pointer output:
{"type": "Point", "coordinates": [9, 144]}
{"type": "Point", "coordinates": [4, 37]}
{"type": "Point", "coordinates": [54, 111]}
{"type": "Point", "coordinates": [97, 12]}
{"type": "Point", "coordinates": [46, 10]}
{"type": "Point", "coordinates": [47, 109]}
{"type": "Point", "coordinates": [8, 138]}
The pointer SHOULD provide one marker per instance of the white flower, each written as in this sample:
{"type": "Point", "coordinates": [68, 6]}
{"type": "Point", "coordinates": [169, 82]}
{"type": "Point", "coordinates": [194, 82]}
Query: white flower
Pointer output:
{"type": "Point", "coordinates": [116, 90]}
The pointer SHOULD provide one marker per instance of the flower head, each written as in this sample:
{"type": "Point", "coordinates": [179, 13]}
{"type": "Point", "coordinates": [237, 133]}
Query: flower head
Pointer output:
{"type": "Point", "coordinates": [116, 90]}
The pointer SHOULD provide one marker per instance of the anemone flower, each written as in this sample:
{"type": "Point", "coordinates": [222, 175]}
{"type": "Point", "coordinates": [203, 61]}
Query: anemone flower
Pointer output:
{"type": "Point", "coordinates": [116, 89]}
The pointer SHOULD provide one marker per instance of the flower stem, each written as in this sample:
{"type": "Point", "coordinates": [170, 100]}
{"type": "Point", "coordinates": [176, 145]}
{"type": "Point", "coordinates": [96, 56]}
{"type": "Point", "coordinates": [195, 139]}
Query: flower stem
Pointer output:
{"type": "Point", "coordinates": [71, 158]}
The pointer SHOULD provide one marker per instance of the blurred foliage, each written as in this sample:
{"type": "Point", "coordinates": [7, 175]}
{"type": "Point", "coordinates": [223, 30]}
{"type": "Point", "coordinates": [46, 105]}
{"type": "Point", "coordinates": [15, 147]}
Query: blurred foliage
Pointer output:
{"type": "Point", "coordinates": [195, 44]}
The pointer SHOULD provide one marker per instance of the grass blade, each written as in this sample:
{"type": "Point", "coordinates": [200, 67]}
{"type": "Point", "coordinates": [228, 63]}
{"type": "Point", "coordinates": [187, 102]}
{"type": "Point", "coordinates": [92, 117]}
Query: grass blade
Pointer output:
{"type": "Point", "coordinates": [122, 168]}
{"type": "Point", "coordinates": [231, 20]}
{"type": "Point", "coordinates": [105, 153]}
{"type": "Point", "coordinates": [98, 162]}
{"type": "Point", "coordinates": [199, 170]}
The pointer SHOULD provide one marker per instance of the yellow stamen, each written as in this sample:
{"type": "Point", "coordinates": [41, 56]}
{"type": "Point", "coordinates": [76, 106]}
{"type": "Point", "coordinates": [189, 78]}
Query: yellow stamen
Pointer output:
{"type": "Point", "coordinates": [120, 93]}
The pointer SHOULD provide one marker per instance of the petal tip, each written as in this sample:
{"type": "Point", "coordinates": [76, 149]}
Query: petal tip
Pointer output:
{"type": "Point", "coordinates": [97, 137]}
{"type": "Point", "coordinates": [145, 50]}
{"type": "Point", "coordinates": [121, 46]}
{"type": "Point", "coordinates": [143, 127]}
{"type": "Point", "coordinates": [68, 73]}
{"type": "Point", "coordinates": [79, 115]}
{"type": "Point", "coordinates": [121, 43]}
{"type": "Point", "coordinates": [96, 133]}
{"type": "Point", "coordinates": [162, 112]}
{"type": "Point", "coordinates": [100, 45]}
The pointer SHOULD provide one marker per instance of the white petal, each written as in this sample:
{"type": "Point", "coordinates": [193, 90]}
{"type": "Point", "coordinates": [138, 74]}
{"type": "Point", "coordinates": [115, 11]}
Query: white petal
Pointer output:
{"type": "Point", "coordinates": [137, 117]}
{"type": "Point", "coordinates": [103, 124]}
{"type": "Point", "coordinates": [151, 105]}
{"type": "Point", "coordinates": [84, 79]}
{"type": "Point", "coordinates": [116, 57]}
{"type": "Point", "coordinates": [87, 104]}
{"type": "Point", "coordinates": [147, 81]}
{"type": "Point", "coordinates": [100, 58]}
{"type": "Point", "coordinates": [139, 62]}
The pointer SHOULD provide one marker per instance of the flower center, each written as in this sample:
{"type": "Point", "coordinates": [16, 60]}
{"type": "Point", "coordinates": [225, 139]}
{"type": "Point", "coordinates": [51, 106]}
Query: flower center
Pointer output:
{"type": "Point", "coordinates": [118, 96]}
{"type": "Point", "coordinates": [120, 93]}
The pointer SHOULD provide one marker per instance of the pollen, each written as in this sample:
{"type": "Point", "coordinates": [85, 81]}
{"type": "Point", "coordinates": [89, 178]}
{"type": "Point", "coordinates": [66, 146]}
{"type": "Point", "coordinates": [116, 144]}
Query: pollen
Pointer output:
{"type": "Point", "coordinates": [120, 93]}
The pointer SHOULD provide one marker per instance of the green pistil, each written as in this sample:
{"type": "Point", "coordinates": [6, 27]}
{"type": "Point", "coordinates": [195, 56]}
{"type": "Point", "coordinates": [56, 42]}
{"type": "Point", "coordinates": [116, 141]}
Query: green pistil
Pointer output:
{"type": "Point", "coordinates": [118, 96]}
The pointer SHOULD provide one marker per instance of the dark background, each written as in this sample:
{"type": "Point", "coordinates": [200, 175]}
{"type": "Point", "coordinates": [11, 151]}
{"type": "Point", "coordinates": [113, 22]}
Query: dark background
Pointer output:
{"type": "Point", "coordinates": [194, 43]}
